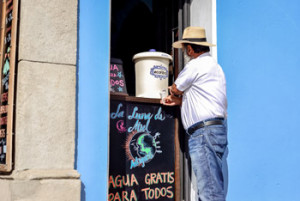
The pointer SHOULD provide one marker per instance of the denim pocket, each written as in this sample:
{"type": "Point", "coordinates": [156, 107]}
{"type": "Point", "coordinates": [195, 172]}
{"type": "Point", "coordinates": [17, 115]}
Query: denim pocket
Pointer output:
{"type": "Point", "coordinates": [197, 140]}
{"type": "Point", "coordinates": [218, 139]}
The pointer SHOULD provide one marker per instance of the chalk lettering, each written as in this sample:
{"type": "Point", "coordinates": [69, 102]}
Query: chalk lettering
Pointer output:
{"type": "Point", "coordinates": [5, 79]}
{"type": "Point", "coordinates": [159, 115]}
{"type": "Point", "coordinates": [3, 109]}
{"type": "Point", "coordinates": [7, 38]}
{"type": "Point", "coordinates": [9, 18]}
{"type": "Point", "coordinates": [124, 197]}
{"type": "Point", "coordinates": [120, 126]}
{"type": "Point", "coordinates": [140, 116]}
{"type": "Point", "coordinates": [157, 193]}
{"type": "Point", "coordinates": [117, 82]}
{"type": "Point", "coordinates": [4, 97]}
{"type": "Point", "coordinates": [2, 133]}
{"type": "Point", "coordinates": [139, 127]}
{"type": "Point", "coordinates": [6, 86]}
{"type": "Point", "coordinates": [140, 161]}
{"type": "Point", "coordinates": [159, 178]}
{"type": "Point", "coordinates": [113, 75]}
{"type": "Point", "coordinates": [118, 113]}
{"type": "Point", "coordinates": [3, 121]}
{"type": "Point", "coordinates": [114, 67]}
{"type": "Point", "coordinates": [120, 181]}
{"type": "Point", "coordinates": [111, 197]}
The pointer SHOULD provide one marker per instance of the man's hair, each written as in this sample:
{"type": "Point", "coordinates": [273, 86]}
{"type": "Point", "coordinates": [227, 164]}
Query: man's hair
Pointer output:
{"type": "Point", "coordinates": [198, 48]}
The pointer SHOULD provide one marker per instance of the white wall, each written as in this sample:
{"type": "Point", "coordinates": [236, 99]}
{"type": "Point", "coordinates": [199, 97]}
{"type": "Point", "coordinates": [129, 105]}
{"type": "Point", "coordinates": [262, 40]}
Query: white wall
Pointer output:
{"type": "Point", "coordinates": [203, 14]}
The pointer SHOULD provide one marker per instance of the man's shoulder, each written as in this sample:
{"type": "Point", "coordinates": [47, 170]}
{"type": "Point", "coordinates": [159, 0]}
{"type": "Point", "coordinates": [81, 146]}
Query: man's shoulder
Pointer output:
{"type": "Point", "coordinates": [205, 60]}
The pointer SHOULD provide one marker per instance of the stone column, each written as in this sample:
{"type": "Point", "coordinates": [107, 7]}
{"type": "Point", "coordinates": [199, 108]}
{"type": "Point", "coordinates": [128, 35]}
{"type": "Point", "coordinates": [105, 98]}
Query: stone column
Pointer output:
{"type": "Point", "coordinates": [45, 117]}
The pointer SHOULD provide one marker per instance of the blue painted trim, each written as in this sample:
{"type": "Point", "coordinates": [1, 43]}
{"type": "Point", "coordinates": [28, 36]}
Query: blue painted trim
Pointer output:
{"type": "Point", "coordinates": [93, 98]}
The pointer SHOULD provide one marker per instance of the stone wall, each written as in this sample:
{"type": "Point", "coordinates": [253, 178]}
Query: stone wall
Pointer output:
{"type": "Point", "coordinates": [45, 122]}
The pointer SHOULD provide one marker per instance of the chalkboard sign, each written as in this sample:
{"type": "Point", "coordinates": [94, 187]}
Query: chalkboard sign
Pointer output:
{"type": "Point", "coordinates": [7, 63]}
{"type": "Point", "coordinates": [142, 157]}
{"type": "Point", "coordinates": [117, 78]}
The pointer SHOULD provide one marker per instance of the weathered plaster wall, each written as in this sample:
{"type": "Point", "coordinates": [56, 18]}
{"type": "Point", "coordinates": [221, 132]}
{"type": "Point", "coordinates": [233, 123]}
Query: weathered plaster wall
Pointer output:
{"type": "Point", "coordinates": [45, 104]}
{"type": "Point", "coordinates": [48, 31]}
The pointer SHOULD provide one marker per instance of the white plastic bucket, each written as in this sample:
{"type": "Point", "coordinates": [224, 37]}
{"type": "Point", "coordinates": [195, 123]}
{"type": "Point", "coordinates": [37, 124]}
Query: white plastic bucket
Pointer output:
{"type": "Point", "coordinates": [151, 73]}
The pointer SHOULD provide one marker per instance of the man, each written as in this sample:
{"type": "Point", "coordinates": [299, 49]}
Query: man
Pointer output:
{"type": "Point", "coordinates": [200, 90]}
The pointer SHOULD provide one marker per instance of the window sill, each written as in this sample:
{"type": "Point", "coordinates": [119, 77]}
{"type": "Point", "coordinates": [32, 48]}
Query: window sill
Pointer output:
{"type": "Point", "coordinates": [124, 97]}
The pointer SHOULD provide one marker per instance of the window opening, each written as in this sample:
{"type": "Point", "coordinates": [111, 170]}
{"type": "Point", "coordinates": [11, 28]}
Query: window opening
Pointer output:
{"type": "Point", "coordinates": [138, 26]}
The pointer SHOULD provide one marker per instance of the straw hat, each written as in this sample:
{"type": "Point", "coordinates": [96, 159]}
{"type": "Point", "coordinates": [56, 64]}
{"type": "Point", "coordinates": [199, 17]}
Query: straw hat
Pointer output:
{"type": "Point", "coordinates": [193, 35]}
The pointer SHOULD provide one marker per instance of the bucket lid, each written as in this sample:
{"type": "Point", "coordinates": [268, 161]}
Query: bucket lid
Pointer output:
{"type": "Point", "coordinates": [152, 55]}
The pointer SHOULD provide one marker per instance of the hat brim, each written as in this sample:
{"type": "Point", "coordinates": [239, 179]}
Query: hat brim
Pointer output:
{"type": "Point", "coordinates": [179, 44]}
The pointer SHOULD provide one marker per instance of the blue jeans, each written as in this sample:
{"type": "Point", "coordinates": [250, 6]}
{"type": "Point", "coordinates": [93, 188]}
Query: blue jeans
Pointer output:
{"type": "Point", "coordinates": [208, 153]}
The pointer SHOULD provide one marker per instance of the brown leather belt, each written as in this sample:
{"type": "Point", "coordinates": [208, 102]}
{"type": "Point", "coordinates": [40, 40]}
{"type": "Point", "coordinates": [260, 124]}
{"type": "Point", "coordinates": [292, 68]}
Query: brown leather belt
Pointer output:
{"type": "Point", "coordinates": [201, 124]}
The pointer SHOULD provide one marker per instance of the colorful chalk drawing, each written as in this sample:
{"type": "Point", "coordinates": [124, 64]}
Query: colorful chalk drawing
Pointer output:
{"type": "Point", "coordinates": [140, 145]}
{"type": "Point", "coordinates": [117, 79]}
{"type": "Point", "coordinates": [160, 72]}
{"type": "Point", "coordinates": [141, 152]}
{"type": "Point", "coordinates": [143, 120]}
{"type": "Point", "coordinates": [120, 125]}
{"type": "Point", "coordinates": [6, 64]}
{"type": "Point", "coordinates": [7, 81]}
{"type": "Point", "coordinates": [141, 148]}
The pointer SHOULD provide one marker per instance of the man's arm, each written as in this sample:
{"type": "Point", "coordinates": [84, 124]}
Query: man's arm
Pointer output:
{"type": "Point", "coordinates": [175, 98]}
{"type": "Point", "coordinates": [174, 91]}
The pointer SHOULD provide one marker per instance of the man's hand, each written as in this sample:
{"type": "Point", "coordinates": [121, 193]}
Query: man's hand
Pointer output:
{"type": "Point", "coordinates": [171, 100]}
{"type": "Point", "coordinates": [170, 90]}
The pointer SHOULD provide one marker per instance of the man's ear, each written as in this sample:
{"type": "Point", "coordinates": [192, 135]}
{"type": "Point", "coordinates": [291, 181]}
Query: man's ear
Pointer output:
{"type": "Point", "coordinates": [189, 50]}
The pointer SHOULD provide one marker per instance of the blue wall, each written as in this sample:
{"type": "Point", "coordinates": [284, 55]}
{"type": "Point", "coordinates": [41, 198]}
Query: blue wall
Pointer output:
{"type": "Point", "coordinates": [93, 99]}
{"type": "Point", "coordinates": [258, 47]}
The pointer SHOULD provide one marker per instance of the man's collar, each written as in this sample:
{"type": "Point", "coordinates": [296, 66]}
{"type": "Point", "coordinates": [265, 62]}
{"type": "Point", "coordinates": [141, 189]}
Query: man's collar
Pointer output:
{"type": "Point", "coordinates": [204, 54]}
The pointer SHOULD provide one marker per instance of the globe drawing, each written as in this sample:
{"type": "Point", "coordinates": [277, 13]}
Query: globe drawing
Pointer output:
{"type": "Point", "coordinates": [146, 146]}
